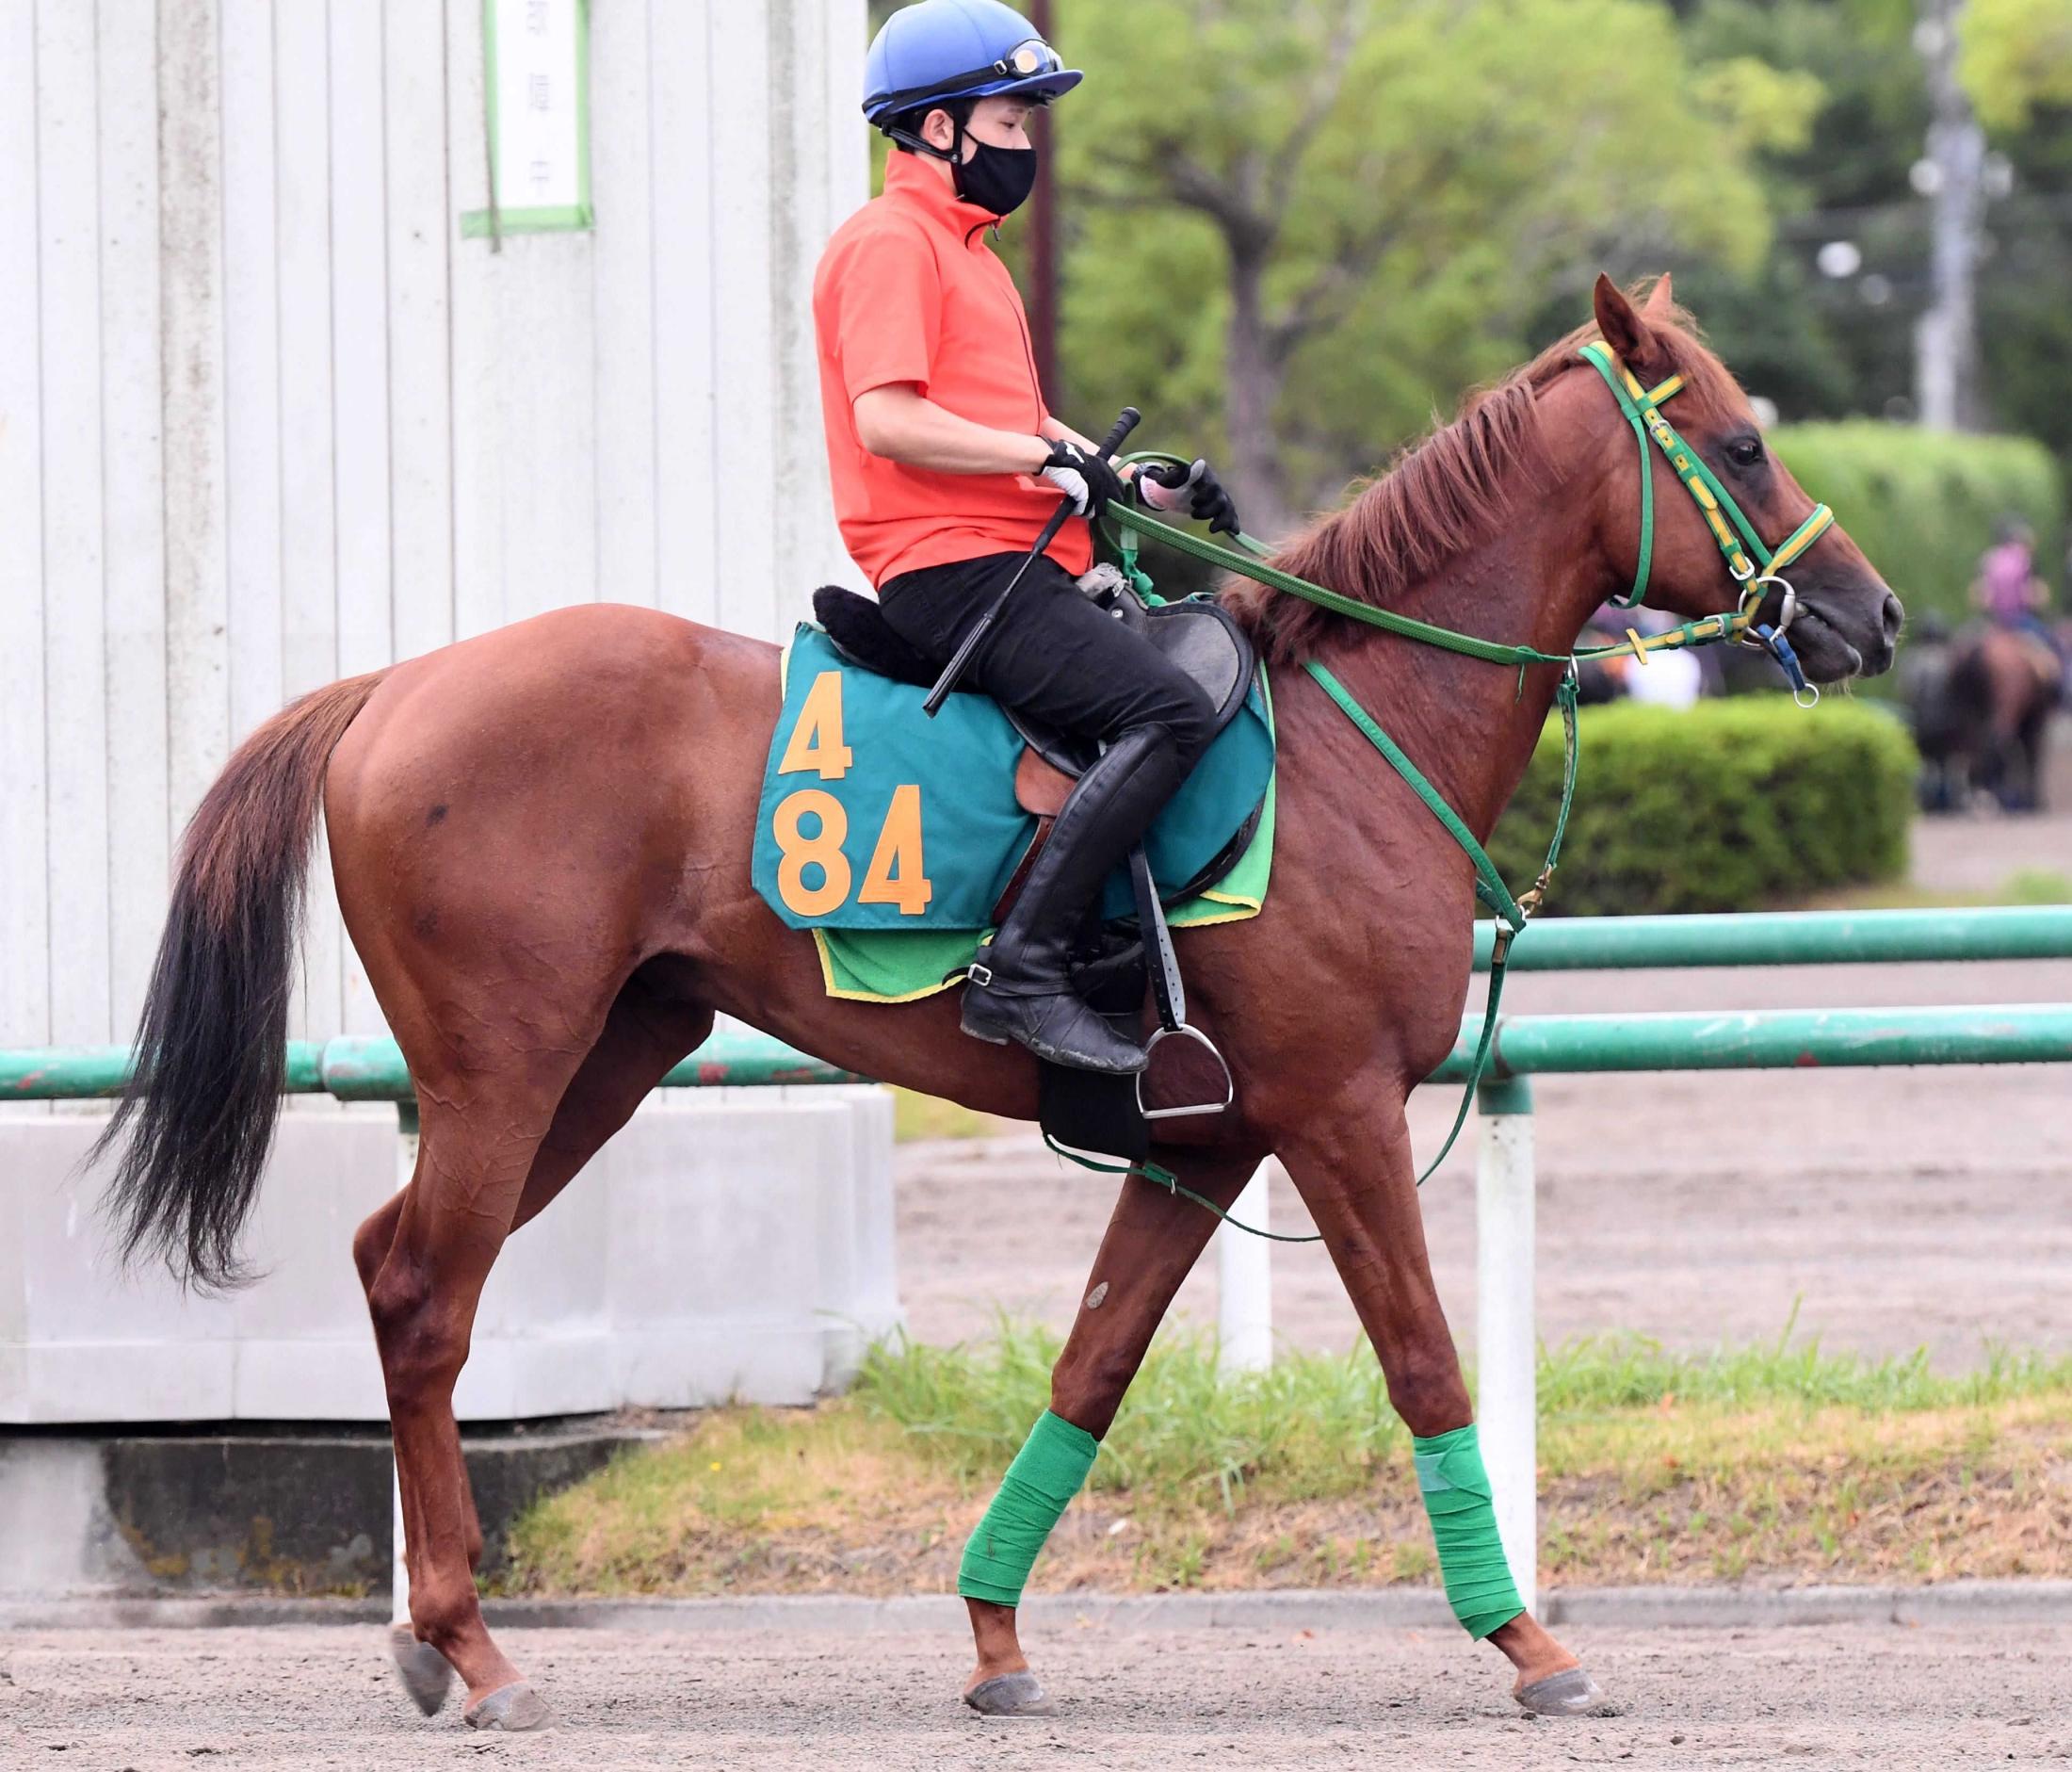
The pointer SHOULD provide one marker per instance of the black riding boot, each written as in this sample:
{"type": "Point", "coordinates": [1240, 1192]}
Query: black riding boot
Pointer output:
{"type": "Point", "coordinates": [1020, 989]}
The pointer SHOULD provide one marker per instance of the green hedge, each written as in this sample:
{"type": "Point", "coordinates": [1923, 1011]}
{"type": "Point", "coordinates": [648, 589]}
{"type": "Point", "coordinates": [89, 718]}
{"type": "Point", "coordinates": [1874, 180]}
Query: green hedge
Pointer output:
{"type": "Point", "coordinates": [1923, 503]}
{"type": "Point", "coordinates": [1728, 807]}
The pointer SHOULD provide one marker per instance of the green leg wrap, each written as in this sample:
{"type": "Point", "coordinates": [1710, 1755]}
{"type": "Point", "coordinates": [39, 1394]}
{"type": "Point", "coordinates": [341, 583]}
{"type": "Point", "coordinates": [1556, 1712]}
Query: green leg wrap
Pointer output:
{"type": "Point", "coordinates": [1464, 1525]}
{"type": "Point", "coordinates": [1046, 1475]}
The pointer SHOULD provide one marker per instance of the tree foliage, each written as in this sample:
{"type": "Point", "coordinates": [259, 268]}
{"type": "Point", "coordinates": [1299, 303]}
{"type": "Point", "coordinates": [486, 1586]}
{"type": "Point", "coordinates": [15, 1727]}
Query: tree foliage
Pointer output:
{"type": "Point", "coordinates": [1302, 224]}
{"type": "Point", "coordinates": [2016, 55]}
{"type": "Point", "coordinates": [1293, 229]}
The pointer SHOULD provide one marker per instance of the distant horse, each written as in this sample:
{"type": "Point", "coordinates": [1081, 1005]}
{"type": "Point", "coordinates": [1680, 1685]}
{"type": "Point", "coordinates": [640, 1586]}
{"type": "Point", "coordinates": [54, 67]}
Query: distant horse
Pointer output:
{"type": "Point", "coordinates": [1981, 705]}
{"type": "Point", "coordinates": [541, 840]}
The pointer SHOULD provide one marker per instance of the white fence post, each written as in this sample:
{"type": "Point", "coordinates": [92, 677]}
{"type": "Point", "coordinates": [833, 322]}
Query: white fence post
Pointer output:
{"type": "Point", "coordinates": [1506, 1344]}
{"type": "Point", "coordinates": [1244, 1278]}
{"type": "Point", "coordinates": [406, 1166]}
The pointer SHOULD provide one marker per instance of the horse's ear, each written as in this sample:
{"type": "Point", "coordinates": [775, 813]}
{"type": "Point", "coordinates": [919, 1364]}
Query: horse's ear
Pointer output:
{"type": "Point", "coordinates": [1659, 305]}
{"type": "Point", "coordinates": [1625, 330]}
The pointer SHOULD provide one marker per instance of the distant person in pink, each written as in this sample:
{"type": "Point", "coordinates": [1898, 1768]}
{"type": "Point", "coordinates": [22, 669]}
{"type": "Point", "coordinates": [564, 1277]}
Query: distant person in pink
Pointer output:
{"type": "Point", "coordinates": [2007, 587]}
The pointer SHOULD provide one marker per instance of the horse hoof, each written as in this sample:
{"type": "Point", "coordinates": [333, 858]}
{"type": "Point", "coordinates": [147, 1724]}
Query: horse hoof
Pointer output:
{"type": "Point", "coordinates": [1011, 1695]}
{"type": "Point", "coordinates": [511, 1709]}
{"type": "Point", "coordinates": [426, 1674]}
{"type": "Point", "coordinates": [1570, 1693]}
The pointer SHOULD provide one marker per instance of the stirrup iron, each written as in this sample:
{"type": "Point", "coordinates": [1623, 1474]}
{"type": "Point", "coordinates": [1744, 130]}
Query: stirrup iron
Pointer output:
{"type": "Point", "coordinates": [1170, 994]}
{"type": "Point", "coordinates": [1190, 1108]}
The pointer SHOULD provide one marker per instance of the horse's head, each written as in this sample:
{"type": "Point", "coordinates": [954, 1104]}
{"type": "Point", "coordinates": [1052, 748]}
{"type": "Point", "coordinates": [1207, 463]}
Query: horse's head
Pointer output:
{"type": "Point", "coordinates": [1846, 620]}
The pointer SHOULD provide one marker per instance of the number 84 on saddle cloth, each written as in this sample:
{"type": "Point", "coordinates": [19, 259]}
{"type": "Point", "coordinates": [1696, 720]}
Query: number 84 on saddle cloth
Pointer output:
{"type": "Point", "coordinates": [874, 817]}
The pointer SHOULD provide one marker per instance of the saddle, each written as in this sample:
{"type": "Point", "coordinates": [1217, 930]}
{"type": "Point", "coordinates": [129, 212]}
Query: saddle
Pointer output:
{"type": "Point", "coordinates": [1196, 634]}
{"type": "Point", "coordinates": [1112, 964]}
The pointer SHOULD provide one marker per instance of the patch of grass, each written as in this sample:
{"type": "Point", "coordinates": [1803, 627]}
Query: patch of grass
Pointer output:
{"type": "Point", "coordinates": [1313, 1426]}
{"type": "Point", "coordinates": [916, 1117]}
{"type": "Point", "coordinates": [1629, 1371]}
{"type": "Point", "coordinates": [2027, 885]}
{"type": "Point", "coordinates": [1773, 1460]}
{"type": "Point", "coordinates": [2038, 885]}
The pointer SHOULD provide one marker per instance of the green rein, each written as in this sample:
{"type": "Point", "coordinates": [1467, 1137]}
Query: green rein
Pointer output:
{"type": "Point", "coordinates": [1749, 563]}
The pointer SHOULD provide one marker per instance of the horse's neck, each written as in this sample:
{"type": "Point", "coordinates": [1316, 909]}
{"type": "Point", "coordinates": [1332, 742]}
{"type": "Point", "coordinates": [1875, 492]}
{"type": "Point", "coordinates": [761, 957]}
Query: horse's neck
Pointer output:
{"type": "Point", "coordinates": [1466, 722]}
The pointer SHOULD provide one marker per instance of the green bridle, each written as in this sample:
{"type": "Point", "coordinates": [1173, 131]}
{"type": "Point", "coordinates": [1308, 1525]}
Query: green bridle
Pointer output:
{"type": "Point", "coordinates": [1753, 566]}
{"type": "Point", "coordinates": [1750, 563]}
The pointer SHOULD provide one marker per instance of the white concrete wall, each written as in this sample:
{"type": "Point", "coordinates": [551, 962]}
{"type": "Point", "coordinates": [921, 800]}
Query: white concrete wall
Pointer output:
{"type": "Point", "coordinates": [265, 419]}
{"type": "Point", "coordinates": [738, 1247]}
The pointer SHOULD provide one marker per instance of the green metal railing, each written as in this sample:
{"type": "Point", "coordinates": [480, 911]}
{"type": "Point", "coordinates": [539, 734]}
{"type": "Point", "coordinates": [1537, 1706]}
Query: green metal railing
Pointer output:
{"type": "Point", "coordinates": [1770, 1039]}
{"type": "Point", "coordinates": [1507, 1333]}
{"type": "Point", "coordinates": [1572, 944]}
{"type": "Point", "coordinates": [356, 1069]}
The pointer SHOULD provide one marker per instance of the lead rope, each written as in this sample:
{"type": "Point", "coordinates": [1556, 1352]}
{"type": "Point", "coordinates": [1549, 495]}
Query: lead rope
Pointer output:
{"type": "Point", "coordinates": [1160, 1175]}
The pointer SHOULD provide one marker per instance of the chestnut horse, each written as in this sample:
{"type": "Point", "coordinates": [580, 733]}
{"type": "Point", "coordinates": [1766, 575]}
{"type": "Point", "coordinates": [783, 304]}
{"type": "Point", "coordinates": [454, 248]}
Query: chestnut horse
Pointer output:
{"type": "Point", "coordinates": [2002, 687]}
{"type": "Point", "coordinates": [540, 839]}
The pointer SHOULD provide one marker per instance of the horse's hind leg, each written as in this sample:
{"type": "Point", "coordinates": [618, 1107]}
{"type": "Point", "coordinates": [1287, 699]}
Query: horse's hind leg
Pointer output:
{"type": "Point", "coordinates": [644, 1036]}
{"type": "Point", "coordinates": [426, 1673]}
{"type": "Point", "coordinates": [475, 1149]}
{"type": "Point", "coordinates": [1354, 1171]}
{"type": "Point", "coordinates": [1153, 1239]}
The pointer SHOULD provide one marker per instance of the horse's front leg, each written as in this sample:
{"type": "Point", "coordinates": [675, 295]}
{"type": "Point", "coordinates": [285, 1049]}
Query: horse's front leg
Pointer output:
{"type": "Point", "coordinates": [1353, 1167]}
{"type": "Point", "coordinates": [1152, 1239]}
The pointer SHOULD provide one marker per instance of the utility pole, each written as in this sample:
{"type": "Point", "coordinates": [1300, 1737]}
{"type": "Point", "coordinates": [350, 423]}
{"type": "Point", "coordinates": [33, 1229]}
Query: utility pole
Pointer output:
{"type": "Point", "coordinates": [1947, 379]}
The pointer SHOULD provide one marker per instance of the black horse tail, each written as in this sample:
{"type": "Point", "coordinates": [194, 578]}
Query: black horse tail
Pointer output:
{"type": "Point", "coordinates": [196, 1118]}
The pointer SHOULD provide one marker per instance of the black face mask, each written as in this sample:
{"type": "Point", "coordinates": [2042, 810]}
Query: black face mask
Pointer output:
{"type": "Point", "coordinates": [998, 180]}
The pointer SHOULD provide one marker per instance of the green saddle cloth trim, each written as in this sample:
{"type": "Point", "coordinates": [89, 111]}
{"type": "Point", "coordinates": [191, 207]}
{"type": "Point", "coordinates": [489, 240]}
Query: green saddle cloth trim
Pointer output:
{"type": "Point", "coordinates": [902, 965]}
{"type": "Point", "coordinates": [874, 819]}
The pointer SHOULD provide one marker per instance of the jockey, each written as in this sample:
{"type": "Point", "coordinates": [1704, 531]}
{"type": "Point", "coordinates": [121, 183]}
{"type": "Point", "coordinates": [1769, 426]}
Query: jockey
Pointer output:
{"type": "Point", "coordinates": [946, 463]}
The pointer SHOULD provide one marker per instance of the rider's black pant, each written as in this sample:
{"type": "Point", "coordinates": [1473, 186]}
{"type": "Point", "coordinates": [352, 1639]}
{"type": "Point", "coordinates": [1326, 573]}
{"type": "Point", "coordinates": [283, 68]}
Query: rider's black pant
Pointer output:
{"type": "Point", "coordinates": [1053, 654]}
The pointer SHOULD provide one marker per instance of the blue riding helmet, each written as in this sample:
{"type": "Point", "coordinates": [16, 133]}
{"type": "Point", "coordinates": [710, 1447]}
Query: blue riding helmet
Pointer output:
{"type": "Point", "coordinates": [958, 49]}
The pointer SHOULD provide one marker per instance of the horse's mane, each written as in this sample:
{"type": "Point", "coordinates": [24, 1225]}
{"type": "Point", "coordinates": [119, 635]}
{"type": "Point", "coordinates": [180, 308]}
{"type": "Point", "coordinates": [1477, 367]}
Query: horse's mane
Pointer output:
{"type": "Point", "coordinates": [1438, 497]}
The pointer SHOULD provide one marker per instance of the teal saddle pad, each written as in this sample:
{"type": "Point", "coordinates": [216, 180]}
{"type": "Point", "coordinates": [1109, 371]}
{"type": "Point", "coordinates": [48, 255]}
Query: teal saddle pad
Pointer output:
{"type": "Point", "coordinates": [873, 816]}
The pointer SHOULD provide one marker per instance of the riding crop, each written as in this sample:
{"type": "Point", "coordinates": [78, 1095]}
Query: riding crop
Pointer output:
{"type": "Point", "coordinates": [1066, 507]}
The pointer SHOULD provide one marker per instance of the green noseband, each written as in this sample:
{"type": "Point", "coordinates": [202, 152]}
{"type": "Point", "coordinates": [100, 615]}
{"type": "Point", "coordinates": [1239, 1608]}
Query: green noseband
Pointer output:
{"type": "Point", "coordinates": [1750, 564]}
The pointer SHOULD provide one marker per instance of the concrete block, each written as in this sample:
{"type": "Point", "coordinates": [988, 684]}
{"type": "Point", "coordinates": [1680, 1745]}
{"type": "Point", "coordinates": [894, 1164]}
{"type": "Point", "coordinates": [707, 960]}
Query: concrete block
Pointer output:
{"type": "Point", "coordinates": [57, 1536]}
{"type": "Point", "coordinates": [730, 1243]}
{"type": "Point", "coordinates": [309, 1513]}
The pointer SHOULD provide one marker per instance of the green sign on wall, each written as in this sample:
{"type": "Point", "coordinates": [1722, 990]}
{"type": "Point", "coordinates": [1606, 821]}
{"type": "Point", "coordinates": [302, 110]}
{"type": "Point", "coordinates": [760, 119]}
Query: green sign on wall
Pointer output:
{"type": "Point", "coordinates": [536, 95]}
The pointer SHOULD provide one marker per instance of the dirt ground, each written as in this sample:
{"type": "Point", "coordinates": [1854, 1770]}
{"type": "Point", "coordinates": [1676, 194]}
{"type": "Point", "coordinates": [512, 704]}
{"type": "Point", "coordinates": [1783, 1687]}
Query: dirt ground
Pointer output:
{"type": "Point", "coordinates": [323, 1697]}
{"type": "Point", "coordinates": [1894, 1208]}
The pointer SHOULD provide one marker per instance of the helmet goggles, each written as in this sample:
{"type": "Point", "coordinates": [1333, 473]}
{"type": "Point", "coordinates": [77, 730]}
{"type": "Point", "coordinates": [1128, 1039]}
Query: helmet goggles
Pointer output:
{"type": "Point", "coordinates": [1032, 69]}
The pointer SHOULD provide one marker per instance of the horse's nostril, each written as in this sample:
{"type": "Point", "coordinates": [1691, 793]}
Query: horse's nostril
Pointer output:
{"type": "Point", "coordinates": [1892, 614]}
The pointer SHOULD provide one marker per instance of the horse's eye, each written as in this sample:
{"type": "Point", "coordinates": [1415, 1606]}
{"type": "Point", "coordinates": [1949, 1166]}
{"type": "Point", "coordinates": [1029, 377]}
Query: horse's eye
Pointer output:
{"type": "Point", "coordinates": [1745, 451]}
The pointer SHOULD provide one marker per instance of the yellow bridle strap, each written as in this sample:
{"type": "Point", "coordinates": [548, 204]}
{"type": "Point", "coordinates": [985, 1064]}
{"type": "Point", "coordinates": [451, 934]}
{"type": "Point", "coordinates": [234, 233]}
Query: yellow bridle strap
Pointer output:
{"type": "Point", "coordinates": [1801, 539]}
{"type": "Point", "coordinates": [1702, 633]}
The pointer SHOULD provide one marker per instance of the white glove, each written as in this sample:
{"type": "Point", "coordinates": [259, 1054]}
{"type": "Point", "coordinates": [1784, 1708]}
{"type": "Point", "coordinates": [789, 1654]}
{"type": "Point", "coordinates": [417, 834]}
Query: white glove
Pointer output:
{"type": "Point", "coordinates": [1072, 483]}
{"type": "Point", "coordinates": [1089, 481]}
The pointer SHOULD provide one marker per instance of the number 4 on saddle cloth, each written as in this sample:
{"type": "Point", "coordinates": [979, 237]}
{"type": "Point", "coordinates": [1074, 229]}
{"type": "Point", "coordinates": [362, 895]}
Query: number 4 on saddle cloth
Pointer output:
{"type": "Point", "coordinates": [899, 840]}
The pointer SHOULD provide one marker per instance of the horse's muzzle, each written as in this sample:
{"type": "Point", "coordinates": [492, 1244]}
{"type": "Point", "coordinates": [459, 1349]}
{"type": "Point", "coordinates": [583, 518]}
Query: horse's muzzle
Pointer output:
{"type": "Point", "coordinates": [1844, 631]}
